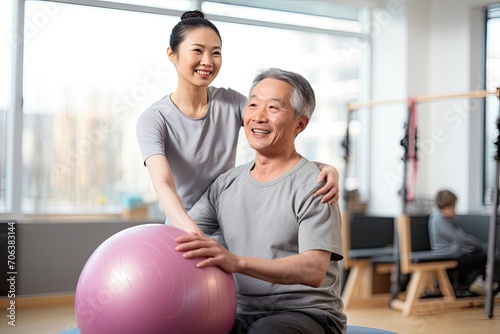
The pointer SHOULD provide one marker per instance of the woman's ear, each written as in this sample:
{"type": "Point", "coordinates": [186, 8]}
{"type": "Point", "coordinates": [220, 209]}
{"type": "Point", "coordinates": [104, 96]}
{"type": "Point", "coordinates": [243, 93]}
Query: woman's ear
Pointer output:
{"type": "Point", "coordinates": [170, 54]}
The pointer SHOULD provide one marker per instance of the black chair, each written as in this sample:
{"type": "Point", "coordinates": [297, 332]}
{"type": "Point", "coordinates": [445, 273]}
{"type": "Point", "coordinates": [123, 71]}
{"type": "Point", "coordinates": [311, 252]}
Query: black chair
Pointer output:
{"type": "Point", "coordinates": [366, 239]}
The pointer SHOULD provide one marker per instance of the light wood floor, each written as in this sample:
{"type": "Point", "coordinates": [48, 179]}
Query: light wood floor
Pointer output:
{"type": "Point", "coordinates": [53, 316]}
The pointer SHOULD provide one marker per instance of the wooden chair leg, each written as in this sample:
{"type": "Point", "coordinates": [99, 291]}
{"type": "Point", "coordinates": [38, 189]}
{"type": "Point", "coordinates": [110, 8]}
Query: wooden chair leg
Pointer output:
{"type": "Point", "coordinates": [415, 289]}
{"type": "Point", "coordinates": [415, 304]}
{"type": "Point", "coordinates": [358, 289]}
{"type": "Point", "coordinates": [358, 283]}
{"type": "Point", "coordinates": [445, 286]}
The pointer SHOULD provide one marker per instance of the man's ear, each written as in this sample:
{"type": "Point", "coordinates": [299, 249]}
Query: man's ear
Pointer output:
{"type": "Point", "coordinates": [302, 124]}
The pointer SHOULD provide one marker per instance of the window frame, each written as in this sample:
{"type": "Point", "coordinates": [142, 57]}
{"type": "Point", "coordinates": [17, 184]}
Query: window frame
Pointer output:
{"type": "Point", "coordinates": [14, 140]}
{"type": "Point", "coordinates": [492, 11]}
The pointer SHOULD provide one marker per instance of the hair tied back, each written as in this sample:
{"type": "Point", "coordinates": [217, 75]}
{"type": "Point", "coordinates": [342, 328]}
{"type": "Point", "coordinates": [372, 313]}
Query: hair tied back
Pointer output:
{"type": "Point", "coordinates": [192, 14]}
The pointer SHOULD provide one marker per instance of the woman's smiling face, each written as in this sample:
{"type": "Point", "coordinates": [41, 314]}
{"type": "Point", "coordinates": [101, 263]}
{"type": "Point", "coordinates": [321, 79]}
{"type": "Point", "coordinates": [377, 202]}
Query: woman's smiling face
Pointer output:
{"type": "Point", "coordinates": [199, 57]}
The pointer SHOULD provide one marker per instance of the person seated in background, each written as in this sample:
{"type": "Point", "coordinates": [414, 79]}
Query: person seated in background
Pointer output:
{"type": "Point", "coordinates": [449, 239]}
{"type": "Point", "coordinates": [283, 244]}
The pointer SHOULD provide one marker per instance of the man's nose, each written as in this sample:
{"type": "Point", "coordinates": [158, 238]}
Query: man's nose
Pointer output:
{"type": "Point", "coordinates": [260, 115]}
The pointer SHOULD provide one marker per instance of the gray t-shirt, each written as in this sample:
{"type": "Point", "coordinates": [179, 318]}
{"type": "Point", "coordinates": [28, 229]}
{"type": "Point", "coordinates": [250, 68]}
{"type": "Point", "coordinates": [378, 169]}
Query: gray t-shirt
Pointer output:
{"type": "Point", "coordinates": [198, 150]}
{"type": "Point", "coordinates": [274, 220]}
{"type": "Point", "coordinates": [448, 238]}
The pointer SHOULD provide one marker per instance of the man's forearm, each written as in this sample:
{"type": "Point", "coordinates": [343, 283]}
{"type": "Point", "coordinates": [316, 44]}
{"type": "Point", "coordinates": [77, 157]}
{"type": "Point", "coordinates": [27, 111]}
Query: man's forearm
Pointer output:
{"type": "Point", "coordinates": [298, 269]}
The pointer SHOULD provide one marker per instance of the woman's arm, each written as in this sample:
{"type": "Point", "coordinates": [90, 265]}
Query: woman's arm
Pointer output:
{"type": "Point", "coordinates": [164, 185]}
{"type": "Point", "coordinates": [330, 190]}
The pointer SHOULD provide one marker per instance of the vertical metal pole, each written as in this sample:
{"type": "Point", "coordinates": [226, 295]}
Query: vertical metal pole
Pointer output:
{"type": "Point", "coordinates": [345, 214]}
{"type": "Point", "coordinates": [14, 160]}
{"type": "Point", "coordinates": [405, 142]}
{"type": "Point", "coordinates": [395, 287]}
{"type": "Point", "coordinates": [346, 145]}
{"type": "Point", "coordinates": [492, 234]}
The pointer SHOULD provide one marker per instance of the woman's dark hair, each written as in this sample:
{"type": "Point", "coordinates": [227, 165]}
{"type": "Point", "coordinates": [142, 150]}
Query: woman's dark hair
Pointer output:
{"type": "Point", "coordinates": [189, 21]}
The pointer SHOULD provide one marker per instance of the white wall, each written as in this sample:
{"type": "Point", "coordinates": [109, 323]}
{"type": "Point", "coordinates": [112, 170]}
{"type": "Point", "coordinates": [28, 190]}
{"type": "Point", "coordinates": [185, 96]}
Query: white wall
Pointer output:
{"type": "Point", "coordinates": [389, 65]}
{"type": "Point", "coordinates": [430, 47]}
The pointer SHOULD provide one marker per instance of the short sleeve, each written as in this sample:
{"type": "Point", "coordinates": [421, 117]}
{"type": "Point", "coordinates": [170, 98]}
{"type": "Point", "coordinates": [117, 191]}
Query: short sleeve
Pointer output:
{"type": "Point", "coordinates": [151, 134]}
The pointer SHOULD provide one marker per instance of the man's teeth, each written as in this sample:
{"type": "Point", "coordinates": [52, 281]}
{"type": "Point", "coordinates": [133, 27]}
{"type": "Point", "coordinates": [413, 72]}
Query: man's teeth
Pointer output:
{"type": "Point", "coordinates": [262, 132]}
{"type": "Point", "coordinates": [203, 72]}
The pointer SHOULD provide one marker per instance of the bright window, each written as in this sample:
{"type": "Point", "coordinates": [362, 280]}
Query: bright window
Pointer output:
{"type": "Point", "coordinates": [170, 4]}
{"type": "Point", "coordinates": [89, 73]}
{"type": "Point", "coordinates": [5, 80]}
{"type": "Point", "coordinates": [492, 79]}
{"type": "Point", "coordinates": [85, 85]}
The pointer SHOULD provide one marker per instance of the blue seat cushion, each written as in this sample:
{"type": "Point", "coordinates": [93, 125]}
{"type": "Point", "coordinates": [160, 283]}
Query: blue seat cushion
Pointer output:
{"type": "Point", "coordinates": [366, 330]}
{"type": "Point", "coordinates": [429, 256]}
{"type": "Point", "coordinates": [350, 330]}
{"type": "Point", "coordinates": [71, 331]}
{"type": "Point", "coordinates": [369, 253]}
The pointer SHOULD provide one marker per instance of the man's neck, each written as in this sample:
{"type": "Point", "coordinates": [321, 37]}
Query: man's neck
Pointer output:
{"type": "Point", "coordinates": [268, 168]}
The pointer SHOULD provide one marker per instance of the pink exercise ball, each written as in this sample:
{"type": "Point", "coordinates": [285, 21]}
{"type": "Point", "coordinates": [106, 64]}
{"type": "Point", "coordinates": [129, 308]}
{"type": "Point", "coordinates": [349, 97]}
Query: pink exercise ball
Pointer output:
{"type": "Point", "coordinates": [136, 282]}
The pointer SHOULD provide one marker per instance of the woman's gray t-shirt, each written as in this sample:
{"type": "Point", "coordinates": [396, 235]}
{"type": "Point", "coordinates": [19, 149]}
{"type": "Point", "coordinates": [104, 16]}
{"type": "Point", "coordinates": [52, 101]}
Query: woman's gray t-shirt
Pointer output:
{"type": "Point", "coordinates": [197, 150]}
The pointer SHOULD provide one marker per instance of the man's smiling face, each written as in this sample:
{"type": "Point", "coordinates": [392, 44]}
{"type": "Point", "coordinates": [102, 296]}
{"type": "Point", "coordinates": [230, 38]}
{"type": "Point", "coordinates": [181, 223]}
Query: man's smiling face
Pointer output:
{"type": "Point", "coordinates": [270, 121]}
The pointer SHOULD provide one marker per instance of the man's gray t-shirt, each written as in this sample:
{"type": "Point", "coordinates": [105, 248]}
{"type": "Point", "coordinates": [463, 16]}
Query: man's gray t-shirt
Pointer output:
{"type": "Point", "coordinates": [197, 150]}
{"type": "Point", "coordinates": [274, 220]}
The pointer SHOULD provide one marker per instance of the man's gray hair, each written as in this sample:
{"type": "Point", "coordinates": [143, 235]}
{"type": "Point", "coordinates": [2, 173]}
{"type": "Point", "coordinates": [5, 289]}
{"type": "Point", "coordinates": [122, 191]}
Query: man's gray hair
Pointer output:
{"type": "Point", "coordinates": [303, 100]}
